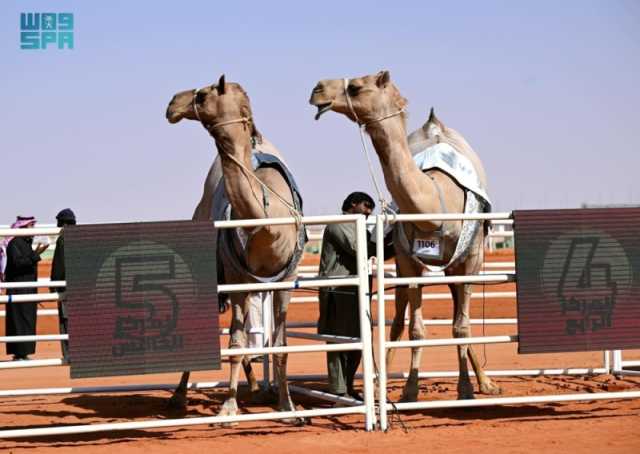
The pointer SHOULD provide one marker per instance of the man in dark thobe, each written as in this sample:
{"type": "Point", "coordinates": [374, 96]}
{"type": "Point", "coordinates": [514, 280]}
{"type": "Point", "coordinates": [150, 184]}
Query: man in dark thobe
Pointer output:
{"type": "Point", "coordinates": [22, 266]}
{"type": "Point", "coordinates": [339, 313]}
{"type": "Point", "coordinates": [64, 218]}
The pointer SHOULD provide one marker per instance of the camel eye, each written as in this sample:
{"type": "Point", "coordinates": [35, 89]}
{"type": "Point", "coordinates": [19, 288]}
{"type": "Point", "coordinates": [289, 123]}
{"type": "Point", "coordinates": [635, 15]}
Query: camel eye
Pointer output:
{"type": "Point", "coordinates": [200, 97]}
{"type": "Point", "coordinates": [353, 90]}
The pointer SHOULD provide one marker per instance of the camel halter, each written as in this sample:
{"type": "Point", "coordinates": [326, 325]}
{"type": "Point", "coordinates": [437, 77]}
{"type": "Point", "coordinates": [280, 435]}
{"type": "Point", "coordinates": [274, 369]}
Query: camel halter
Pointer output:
{"type": "Point", "coordinates": [246, 120]}
{"type": "Point", "coordinates": [384, 205]}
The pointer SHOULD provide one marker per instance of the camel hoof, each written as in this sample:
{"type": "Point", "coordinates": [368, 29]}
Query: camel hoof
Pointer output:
{"type": "Point", "coordinates": [229, 408]}
{"type": "Point", "coordinates": [490, 389]}
{"type": "Point", "coordinates": [465, 391]}
{"type": "Point", "coordinates": [177, 402]}
{"type": "Point", "coordinates": [296, 422]}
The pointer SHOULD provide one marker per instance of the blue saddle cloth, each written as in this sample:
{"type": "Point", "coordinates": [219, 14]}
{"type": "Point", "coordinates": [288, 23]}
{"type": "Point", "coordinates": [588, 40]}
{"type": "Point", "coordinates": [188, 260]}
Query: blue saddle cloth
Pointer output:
{"type": "Point", "coordinates": [232, 242]}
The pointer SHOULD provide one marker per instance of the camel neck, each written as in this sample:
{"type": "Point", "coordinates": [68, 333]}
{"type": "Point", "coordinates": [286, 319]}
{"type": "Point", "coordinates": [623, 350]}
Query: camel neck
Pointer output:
{"type": "Point", "coordinates": [401, 174]}
{"type": "Point", "coordinates": [243, 191]}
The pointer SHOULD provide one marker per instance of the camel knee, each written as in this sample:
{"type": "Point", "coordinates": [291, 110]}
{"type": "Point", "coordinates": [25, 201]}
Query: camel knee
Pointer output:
{"type": "Point", "coordinates": [461, 331]}
{"type": "Point", "coordinates": [416, 329]}
{"type": "Point", "coordinates": [416, 333]}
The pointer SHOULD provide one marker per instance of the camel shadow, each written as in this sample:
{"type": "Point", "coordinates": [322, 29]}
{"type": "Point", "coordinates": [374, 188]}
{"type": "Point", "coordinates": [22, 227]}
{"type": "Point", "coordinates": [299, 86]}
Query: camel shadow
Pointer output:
{"type": "Point", "coordinates": [134, 406]}
{"type": "Point", "coordinates": [74, 440]}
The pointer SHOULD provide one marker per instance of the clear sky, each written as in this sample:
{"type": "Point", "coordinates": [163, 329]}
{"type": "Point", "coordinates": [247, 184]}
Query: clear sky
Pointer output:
{"type": "Point", "coordinates": [547, 92]}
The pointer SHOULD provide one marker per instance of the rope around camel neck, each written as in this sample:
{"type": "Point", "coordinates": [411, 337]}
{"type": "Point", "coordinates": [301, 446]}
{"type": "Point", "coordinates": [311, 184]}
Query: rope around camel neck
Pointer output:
{"type": "Point", "coordinates": [245, 120]}
{"type": "Point", "coordinates": [292, 209]}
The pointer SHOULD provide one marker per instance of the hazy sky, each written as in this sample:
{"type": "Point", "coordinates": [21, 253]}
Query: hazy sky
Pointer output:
{"type": "Point", "coordinates": [547, 92]}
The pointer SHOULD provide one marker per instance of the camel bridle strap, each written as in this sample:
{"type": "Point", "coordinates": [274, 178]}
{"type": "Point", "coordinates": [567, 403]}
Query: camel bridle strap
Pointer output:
{"type": "Point", "coordinates": [195, 104]}
{"type": "Point", "coordinates": [244, 120]}
{"type": "Point", "coordinates": [355, 116]}
{"type": "Point", "coordinates": [384, 205]}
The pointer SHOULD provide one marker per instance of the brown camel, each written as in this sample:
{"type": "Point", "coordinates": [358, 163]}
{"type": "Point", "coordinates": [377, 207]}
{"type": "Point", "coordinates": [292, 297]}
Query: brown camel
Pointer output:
{"type": "Point", "coordinates": [375, 102]}
{"type": "Point", "coordinates": [224, 110]}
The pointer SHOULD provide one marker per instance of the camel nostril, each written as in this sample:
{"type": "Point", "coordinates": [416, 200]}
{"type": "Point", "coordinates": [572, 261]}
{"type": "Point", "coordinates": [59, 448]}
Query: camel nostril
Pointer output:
{"type": "Point", "coordinates": [318, 88]}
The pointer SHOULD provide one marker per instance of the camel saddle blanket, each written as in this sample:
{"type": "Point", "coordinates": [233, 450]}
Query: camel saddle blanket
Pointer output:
{"type": "Point", "coordinates": [232, 243]}
{"type": "Point", "coordinates": [444, 157]}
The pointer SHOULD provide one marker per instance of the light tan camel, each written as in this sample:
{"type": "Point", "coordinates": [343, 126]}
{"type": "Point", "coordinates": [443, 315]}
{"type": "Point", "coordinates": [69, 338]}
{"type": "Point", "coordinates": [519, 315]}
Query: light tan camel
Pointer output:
{"type": "Point", "coordinates": [378, 105]}
{"type": "Point", "coordinates": [224, 110]}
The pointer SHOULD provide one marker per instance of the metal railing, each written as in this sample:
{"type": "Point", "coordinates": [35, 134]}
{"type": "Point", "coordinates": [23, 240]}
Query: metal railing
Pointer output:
{"type": "Point", "coordinates": [383, 345]}
{"type": "Point", "coordinates": [361, 280]}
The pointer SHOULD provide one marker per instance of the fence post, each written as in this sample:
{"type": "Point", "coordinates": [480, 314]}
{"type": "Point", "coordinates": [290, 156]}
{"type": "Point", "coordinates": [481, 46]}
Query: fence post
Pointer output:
{"type": "Point", "coordinates": [267, 311]}
{"type": "Point", "coordinates": [365, 322]}
{"type": "Point", "coordinates": [617, 361]}
{"type": "Point", "coordinates": [382, 361]}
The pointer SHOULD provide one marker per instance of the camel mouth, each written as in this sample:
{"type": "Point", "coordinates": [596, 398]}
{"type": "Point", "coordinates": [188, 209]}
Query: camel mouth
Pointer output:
{"type": "Point", "coordinates": [173, 117]}
{"type": "Point", "coordinates": [322, 108]}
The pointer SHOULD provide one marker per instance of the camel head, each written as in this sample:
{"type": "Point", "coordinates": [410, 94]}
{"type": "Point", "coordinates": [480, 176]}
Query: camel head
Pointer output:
{"type": "Point", "coordinates": [372, 97]}
{"type": "Point", "coordinates": [212, 105]}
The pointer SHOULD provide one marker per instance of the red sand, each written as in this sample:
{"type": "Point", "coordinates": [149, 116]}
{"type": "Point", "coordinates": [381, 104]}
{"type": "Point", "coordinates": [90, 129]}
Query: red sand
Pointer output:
{"type": "Point", "coordinates": [606, 426]}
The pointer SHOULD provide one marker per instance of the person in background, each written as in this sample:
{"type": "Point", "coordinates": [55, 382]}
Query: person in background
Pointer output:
{"type": "Point", "coordinates": [22, 266]}
{"type": "Point", "coordinates": [339, 310]}
{"type": "Point", "coordinates": [64, 218]}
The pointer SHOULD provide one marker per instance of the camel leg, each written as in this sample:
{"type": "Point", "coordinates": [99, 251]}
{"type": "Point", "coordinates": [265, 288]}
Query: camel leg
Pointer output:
{"type": "Point", "coordinates": [416, 332]}
{"type": "Point", "coordinates": [238, 340]}
{"type": "Point", "coordinates": [178, 400]}
{"type": "Point", "coordinates": [472, 266]}
{"type": "Point", "coordinates": [280, 306]}
{"type": "Point", "coordinates": [259, 395]}
{"type": "Point", "coordinates": [397, 326]}
{"type": "Point", "coordinates": [461, 329]}
{"type": "Point", "coordinates": [485, 384]}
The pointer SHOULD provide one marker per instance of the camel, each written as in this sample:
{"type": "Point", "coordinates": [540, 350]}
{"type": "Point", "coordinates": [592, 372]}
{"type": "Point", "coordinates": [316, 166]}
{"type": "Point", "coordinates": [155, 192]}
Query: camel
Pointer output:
{"type": "Point", "coordinates": [376, 104]}
{"type": "Point", "coordinates": [273, 250]}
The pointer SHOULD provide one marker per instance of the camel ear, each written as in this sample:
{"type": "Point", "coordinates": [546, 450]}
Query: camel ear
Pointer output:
{"type": "Point", "coordinates": [433, 127]}
{"type": "Point", "coordinates": [383, 78]}
{"type": "Point", "coordinates": [221, 85]}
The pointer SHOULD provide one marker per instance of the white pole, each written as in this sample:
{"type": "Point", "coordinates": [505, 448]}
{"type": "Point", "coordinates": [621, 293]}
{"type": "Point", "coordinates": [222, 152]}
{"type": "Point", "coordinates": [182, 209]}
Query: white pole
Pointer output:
{"type": "Point", "coordinates": [41, 312]}
{"type": "Point", "coordinates": [617, 361]}
{"type": "Point", "coordinates": [450, 217]}
{"type": "Point", "coordinates": [36, 231]}
{"type": "Point", "coordinates": [382, 365]}
{"type": "Point", "coordinates": [365, 322]}
{"type": "Point", "coordinates": [456, 341]}
{"type": "Point", "coordinates": [289, 285]}
{"type": "Point", "coordinates": [153, 424]}
{"type": "Point", "coordinates": [38, 338]}
{"type": "Point", "coordinates": [514, 400]}
{"type": "Point", "coordinates": [473, 279]}
{"type": "Point", "coordinates": [348, 401]}
{"type": "Point", "coordinates": [31, 298]}
{"type": "Point", "coordinates": [266, 338]}
{"type": "Point", "coordinates": [35, 284]}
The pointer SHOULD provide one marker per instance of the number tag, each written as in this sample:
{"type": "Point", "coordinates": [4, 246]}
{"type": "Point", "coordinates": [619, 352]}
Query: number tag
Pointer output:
{"type": "Point", "coordinates": [428, 248]}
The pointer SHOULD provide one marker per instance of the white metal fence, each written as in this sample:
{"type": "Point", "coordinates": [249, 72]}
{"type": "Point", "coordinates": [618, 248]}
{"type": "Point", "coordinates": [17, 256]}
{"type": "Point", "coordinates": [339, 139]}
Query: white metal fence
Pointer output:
{"type": "Point", "coordinates": [384, 345]}
{"type": "Point", "coordinates": [361, 281]}
{"type": "Point", "coordinates": [500, 272]}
